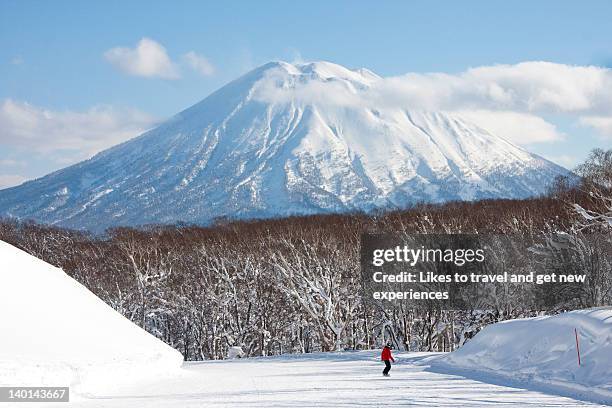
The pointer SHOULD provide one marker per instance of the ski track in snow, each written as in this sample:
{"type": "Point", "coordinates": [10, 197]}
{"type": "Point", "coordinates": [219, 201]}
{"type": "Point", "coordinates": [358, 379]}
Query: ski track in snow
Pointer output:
{"type": "Point", "coordinates": [322, 380]}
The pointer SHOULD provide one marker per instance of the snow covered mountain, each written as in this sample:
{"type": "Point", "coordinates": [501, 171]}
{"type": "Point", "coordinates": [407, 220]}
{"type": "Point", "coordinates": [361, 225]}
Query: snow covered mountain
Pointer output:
{"type": "Point", "coordinates": [283, 139]}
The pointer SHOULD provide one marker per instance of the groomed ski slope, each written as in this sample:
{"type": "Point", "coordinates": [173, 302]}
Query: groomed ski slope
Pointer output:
{"type": "Point", "coordinates": [345, 379]}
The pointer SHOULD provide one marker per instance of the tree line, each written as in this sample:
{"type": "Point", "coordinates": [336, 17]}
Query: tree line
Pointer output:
{"type": "Point", "coordinates": [293, 285]}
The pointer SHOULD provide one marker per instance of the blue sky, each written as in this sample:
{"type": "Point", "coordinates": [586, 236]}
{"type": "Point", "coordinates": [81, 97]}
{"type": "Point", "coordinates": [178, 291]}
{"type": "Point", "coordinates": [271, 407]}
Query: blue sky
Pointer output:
{"type": "Point", "coordinates": [55, 62]}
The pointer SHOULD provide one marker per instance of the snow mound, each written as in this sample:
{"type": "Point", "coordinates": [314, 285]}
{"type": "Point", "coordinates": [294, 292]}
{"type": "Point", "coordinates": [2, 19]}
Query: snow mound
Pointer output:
{"type": "Point", "coordinates": [55, 332]}
{"type": "Point", "coordinates": [235, 352]}
{"type": "Point", "coordinates": [542, 351]}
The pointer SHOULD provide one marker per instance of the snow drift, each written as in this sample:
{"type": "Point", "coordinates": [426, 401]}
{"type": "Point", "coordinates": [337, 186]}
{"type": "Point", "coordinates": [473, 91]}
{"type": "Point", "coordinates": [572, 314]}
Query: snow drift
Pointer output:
{"type": "Point", "coordinates": [55, 332]}
{"type": "Point", "coordinates": [542, 351]}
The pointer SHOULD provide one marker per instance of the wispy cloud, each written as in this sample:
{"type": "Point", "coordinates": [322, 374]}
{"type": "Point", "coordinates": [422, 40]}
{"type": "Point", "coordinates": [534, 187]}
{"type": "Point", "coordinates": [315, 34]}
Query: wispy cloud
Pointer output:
{"type": "Point", "coordinates": [12, 162]}
{"type": "Point", "coordinates": [198, 63]}
{"type": "Point", "coordinates": [83, 133]}
{"type": "Point", "coordinates": [564, 160]}
{"type": "Point", "coordinates": [512, 100]}
{"type": "Point", "coordinates": [10, 180]}
{"type": "Point", "coordinates": [601, 124]}
{"type": "Point", "coordinates": [519, 127]}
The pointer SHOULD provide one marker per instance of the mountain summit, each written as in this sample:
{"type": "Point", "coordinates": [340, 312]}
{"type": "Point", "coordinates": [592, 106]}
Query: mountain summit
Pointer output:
{"type": "Point", "coordinates": [283, 139]}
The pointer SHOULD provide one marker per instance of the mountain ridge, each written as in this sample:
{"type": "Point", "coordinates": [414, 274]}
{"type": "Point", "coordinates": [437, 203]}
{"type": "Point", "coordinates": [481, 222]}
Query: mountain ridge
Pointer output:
{"type": "Point", "coordinates": [283, 139]}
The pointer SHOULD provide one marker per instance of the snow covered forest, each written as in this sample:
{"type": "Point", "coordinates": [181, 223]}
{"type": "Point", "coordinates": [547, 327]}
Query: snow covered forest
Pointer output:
{"type": "Point", "coordinates": [293, 285]}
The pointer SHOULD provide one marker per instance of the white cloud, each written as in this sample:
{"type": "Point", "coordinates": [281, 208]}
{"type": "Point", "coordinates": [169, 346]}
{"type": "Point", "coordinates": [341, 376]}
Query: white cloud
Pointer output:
{"type": "Point", "coordinates": [151, 60]}
{"type": "Point", "coordinates": [10, 180]}
{"type": "Point", "coordinates": [148, 59]}
{"type": "Point", "coordinates": [528, 86]}
{"type": "Point", "coordinates": [521, 128]}
{"type": "Point", "coordinates": [199, 63]}
{"type": "Point", "coordinates": [82, 133]}
{"type": "Point", "coordinates": [567, 161]}
{"type": "Point", "coordinates": [510, 100]}
{"type": "Point", "coordinates": [12, 162]}
{"type": "Point", "coordinates": [602, 124]}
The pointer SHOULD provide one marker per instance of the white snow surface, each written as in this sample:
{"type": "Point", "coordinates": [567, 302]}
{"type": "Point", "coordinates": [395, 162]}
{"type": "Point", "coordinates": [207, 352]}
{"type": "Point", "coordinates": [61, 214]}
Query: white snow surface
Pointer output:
{"type": "Point", "coordinates": [235, 352]}
{"type": "Point", "coordinates": [542, 350]}
{"type": "Point", "coordinates": [56, 332]}
{"type": "Point", "coordinates": [342, 379]}
{"type": "Point", "coordinates": [284, 139]}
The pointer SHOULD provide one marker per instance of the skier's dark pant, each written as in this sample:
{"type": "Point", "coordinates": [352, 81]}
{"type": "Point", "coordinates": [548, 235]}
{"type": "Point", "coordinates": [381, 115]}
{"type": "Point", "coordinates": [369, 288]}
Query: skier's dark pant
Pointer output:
{"type": "Point", "coordinates": [387, 367]}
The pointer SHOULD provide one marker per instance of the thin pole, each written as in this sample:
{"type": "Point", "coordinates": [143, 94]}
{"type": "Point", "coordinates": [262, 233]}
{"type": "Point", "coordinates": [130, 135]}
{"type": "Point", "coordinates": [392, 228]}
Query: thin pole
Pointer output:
{"type": "Point", "coordinates": [577, 345]}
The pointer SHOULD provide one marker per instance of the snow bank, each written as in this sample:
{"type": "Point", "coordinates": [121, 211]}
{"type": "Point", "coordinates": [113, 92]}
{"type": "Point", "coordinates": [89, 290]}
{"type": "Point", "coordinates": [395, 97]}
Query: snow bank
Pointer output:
{"type": "Point", "coordinates": [542, 351]}
{"type": "Point", "coordinates": [56, 332]}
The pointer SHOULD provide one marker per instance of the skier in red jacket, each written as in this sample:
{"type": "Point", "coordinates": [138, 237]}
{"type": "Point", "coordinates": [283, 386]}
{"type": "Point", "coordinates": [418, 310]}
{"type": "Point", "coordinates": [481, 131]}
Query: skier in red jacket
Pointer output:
{"type": "Point", "coordinates": [387, 357]}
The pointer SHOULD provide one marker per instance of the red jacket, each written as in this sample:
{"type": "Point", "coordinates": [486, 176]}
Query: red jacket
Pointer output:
{"type": "Point", "coordinates": [386, 355]}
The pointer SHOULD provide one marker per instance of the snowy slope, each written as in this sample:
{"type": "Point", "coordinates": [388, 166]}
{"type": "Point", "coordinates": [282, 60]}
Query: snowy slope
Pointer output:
{"type": "Point", "coordinates": [347, 379]}
{"type": "Point", "coordinates": [56, 332]}
{"type": "Point", "coordinates": [283, 139]}
{"type": "Point", "coordinates": [542, 351]}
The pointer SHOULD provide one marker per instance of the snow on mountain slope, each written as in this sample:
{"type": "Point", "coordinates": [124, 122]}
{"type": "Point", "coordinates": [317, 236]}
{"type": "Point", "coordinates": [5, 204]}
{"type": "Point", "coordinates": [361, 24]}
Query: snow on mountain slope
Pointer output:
{"type": "Point", "coordinates": [542, 350]}
{"type": "Point", "coordinates": [283, 139]}
{"type": "Point", "coordinates": [55, 332]}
